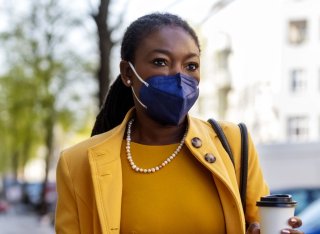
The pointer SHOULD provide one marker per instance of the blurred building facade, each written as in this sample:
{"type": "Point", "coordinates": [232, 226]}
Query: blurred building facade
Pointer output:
{"type": "Point", "coordinates": [263, 68]}
{"type": "Point", "coordinates": [300, 115]}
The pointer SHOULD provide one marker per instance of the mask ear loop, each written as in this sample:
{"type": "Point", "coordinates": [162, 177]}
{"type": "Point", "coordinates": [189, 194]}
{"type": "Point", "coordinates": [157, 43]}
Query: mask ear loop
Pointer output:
{"type": "Point", "coordinates": [145, 83]}
{"type": "Point", "coordinates": [135, 72]}
{"type": "Point", "coordinates": [143, 105]}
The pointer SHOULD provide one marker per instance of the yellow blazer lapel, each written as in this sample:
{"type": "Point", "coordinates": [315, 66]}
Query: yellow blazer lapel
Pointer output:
{"type": "Point", "coordinates": [222, 166]}
{"type": "Point", "coordinates": [106, 174]}
{"type": "Point", "coordinates": [212, 155]}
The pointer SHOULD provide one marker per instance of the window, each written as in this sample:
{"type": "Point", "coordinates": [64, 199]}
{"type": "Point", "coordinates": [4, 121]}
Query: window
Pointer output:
{"type": "Point", "coordinates": [297, 128]}
{"type": "Point", "coordinates": [297, 33]}
{"type": "Point", "coordinates": [319, 79]}
{"type": "Point", "coordinates": [298, 81]}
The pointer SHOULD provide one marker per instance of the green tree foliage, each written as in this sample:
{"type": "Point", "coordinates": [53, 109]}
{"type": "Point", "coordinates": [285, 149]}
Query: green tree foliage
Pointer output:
{"type": "Point", "coordinates": [20, 120]}
{"type": "Point", "coordinates": [46, 82]}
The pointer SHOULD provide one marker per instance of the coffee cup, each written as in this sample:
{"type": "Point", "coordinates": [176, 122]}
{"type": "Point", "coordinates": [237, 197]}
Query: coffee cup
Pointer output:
{"type": "Point", "coordinates": [275, 211]}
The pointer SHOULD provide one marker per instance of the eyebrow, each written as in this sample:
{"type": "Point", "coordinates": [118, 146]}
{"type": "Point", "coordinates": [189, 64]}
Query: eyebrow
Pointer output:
{"type": "Point", "coordinates": [167, 52]}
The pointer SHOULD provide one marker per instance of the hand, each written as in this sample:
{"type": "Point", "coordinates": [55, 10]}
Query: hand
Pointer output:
{"type": "Point", "coordinates": [254, 228]}
{"type": "Point", "coordinates": [294, 222]}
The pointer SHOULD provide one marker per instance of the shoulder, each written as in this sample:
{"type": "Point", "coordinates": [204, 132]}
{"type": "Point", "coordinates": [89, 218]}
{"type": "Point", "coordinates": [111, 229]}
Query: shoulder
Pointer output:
{"type": "Point", "coordinates": [102, 142]}
{"type": "Point", "coordinates": [229, 128]}
{"type": "Point", "coordinates": [79, 151]}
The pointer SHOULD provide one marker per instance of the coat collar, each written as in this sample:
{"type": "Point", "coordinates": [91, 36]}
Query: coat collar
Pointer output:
{"type": "Point", "coordinates": [106, 172]}
{"type": "Point", "coordinates": [213, 156]}
{"type": "Point", "coordinates": [210, 148]}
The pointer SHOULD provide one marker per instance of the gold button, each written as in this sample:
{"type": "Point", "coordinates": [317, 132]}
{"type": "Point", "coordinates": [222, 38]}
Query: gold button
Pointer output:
{"type": "Point", "coordinates": [210, 158]}
{"type": "Point", "coordinates": [196, 142]}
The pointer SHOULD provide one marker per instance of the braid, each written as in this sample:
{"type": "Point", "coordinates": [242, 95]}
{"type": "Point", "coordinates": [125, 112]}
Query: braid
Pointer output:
{"type": "Point", "coordinates": [119, 98]}
{"type": "Point", "coordinates": [118, 101]}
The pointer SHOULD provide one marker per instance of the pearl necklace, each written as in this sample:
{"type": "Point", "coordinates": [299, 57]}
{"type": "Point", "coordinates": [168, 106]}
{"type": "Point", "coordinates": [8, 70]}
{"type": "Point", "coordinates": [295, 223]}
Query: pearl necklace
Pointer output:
{"type": "Point", "coordinates": [153, 169]}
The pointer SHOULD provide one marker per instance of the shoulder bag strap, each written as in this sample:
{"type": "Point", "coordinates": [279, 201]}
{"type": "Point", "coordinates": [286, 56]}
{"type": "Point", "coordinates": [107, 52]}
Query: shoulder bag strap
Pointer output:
{"type": "Point", "coordinates": [244, 164]}
{"type": "Point", "coordinates": [244, 155]}
{"type": "Point", "coordinates": [222, 137]}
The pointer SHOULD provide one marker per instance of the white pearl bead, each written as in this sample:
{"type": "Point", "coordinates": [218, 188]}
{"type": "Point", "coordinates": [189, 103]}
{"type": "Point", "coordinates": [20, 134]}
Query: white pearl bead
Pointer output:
{"type": "Point", "coordinates": [153, 169]}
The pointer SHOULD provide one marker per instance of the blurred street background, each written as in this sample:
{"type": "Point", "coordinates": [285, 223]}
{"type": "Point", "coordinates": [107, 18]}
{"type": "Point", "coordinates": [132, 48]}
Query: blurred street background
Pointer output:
{"type": "Point", "coordinates": [20, 219]}
{"type": "Point", "coordinates": [260, 64]}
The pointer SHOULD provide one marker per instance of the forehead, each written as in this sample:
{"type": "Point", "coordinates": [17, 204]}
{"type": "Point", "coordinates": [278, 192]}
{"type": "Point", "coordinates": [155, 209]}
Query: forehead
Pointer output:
{"type": "Point", "coordinates": [170, 38]}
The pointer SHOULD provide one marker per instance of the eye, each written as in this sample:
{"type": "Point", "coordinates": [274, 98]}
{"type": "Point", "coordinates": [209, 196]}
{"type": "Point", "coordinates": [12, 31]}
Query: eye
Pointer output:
{"type": "Point", "coordinates": [192, 66]}
{"type": "Point", "coordinates": [159, 62]}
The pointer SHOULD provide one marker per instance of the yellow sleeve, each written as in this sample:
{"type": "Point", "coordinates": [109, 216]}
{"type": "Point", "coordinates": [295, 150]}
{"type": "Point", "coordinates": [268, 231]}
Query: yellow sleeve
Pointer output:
{"type": "Point", "coordinates": [67, 221]}
{"type": "Point", "coordinates": [256, 185]}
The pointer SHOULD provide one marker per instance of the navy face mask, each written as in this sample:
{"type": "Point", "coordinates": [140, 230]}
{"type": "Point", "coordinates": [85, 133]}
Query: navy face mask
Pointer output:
{"type": "Point", "coordinates": [167, 99]}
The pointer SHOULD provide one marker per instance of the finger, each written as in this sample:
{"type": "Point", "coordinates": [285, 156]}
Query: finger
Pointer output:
{"type": "Point", "coordinates": [254, 228]}
{"type": "Point", "coordinates": [291, 231]}
{"type": "Point", "coordinates": [295, 222]}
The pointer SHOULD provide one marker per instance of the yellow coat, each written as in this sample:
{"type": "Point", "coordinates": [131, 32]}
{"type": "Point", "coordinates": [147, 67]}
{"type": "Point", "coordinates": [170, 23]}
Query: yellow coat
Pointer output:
{"type": "Point", "coordinates": [89, 179]}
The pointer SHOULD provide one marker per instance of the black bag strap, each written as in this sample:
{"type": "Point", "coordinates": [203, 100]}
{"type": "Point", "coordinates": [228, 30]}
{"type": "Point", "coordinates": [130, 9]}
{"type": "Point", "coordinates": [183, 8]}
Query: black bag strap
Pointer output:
{"type": "Point", "coordinates": [222, 137]}
{"type": "Point", "coordinates": [244, 164]}
{"type": "Point", "coordinates": [244, 156]}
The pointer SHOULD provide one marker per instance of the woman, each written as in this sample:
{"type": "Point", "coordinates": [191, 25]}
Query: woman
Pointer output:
{"type": "Point", "coordinates": [150, 167]}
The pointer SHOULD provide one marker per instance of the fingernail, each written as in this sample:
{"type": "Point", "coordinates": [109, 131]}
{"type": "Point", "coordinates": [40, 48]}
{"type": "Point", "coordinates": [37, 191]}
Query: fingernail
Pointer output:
{"type": "Point", "coordinates": [285, 231]}
{"type": "Point", "coordinates": [293, 220]}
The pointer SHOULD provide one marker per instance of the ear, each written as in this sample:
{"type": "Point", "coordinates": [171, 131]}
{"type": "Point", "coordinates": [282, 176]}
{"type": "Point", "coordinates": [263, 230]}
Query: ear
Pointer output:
{"type": "Point", "coordinates": [126, 73]}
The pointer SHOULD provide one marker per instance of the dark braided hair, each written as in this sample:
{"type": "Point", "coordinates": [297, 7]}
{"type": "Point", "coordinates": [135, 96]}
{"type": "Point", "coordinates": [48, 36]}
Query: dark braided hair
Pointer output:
{"type": "Point", "coordinates": [119, 98]}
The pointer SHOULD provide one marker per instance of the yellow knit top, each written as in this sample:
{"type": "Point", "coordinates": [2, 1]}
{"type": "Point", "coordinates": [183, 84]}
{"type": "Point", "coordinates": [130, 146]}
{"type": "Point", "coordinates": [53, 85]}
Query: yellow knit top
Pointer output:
{"type": "Point", "coordinates": [179, 198]}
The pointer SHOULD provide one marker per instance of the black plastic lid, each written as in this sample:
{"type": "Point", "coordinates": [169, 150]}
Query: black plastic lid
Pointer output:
{"type": "Point", "coordinates": [277, 200]}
